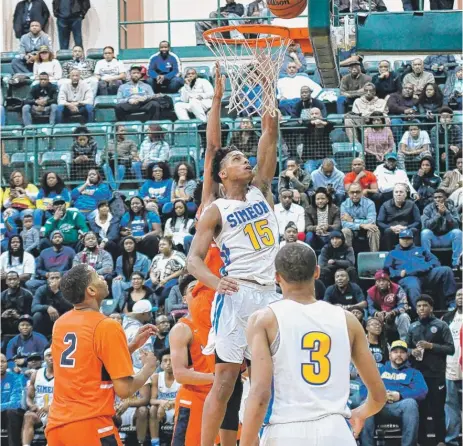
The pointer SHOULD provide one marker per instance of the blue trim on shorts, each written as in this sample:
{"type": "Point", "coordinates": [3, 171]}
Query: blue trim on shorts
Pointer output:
{"type": "Point", "coordinates": [218, 310]}
{"type": "Point", "coordinates": [270, 404]}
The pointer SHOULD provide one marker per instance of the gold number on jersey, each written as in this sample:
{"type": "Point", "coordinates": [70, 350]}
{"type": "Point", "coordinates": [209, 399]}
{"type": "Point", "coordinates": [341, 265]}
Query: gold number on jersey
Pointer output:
{"type": "Point", "coordinates": [259, 230]}
{"type": "Point", "coordinates": [318, 371]}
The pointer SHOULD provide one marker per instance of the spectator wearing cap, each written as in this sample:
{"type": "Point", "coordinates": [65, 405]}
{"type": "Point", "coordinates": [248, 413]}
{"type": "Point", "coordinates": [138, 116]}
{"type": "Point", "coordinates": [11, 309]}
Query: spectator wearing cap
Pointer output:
{"type": "Point", "coordinates": [336, 255]}
{"type": "Point", "coordinates": [366, 179]}
{"type": "Point", "coordinates": [344, 293]}
{"type": "Point", "coordinates": [388, 302]}
{"type": "Point", "coordinates": [49, 304]}
{"type": "Point", "coordinates": [351, 87]}
{"type": "Point", "coordinates": [164, 70]}
{"type": "Point", "coordinates": [287, 211]}
{"type": "Point", "coordinates": [405, 387]}
{"type": "Point", "coordinates": [453, 373]}
{"type": "Point", "coordinates": [15, 300]}
{"type": "Point", "coordinates": [430, 342]}
{"type": "Point", "coordinates": [46, 63]}
{"type": "Point", "coordinates": [16, 259]}
{"type": "Point", "coordinates": [70, 223]}
{"type": "Point", "coordinates": [397, 214]}
{"type": "Point", "coordinates": [27, 341]}
{"type": "Point", "coordinates": [306, 103]}
{"type": "Point", "coordinates": [413, 267]}
{"type": "Point", "coordinates": [136, 96]}
{"type": "Point", "coordinates": [386, 82]}
{"type": "Point", "coordinates": [292, 54]}
{"type": "Point", "coordinates": [388, 175]}
{"type": "Point", "coordinates": [290, 235]}
{"type": "Point", "coordinates": [110, 72]}
{"type": "Point", "coordinates": [141, 314]}
{"type": "Point", "coordinates": [41, 100]}
{"type": "Point", "coordinates": [358, 218]}
{"type": "Point", "coordinates": [58, 258]}
{"type": "Point", "coordinates": [441, 222]}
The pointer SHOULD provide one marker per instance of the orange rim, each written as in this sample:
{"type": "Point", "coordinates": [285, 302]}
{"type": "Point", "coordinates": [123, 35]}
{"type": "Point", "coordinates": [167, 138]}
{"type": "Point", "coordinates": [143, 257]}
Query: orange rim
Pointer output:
{"type": "Point", "coordinates": [280, 31]}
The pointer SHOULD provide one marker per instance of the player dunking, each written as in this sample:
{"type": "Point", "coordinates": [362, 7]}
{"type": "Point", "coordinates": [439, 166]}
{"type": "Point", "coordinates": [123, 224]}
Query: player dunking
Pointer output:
{"type": "Point", "coordinates": [301, 351]}
{"type": "Point", "coordinates": [92, 363]}
{"type": "Point", "coordinates": [245, 229]}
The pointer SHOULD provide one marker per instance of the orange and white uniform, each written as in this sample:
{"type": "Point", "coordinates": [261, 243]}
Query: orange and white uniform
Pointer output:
{"type": "Point", "coordinates": [89, 350]}
{"type": "Point", "coordinates": [190, 398]}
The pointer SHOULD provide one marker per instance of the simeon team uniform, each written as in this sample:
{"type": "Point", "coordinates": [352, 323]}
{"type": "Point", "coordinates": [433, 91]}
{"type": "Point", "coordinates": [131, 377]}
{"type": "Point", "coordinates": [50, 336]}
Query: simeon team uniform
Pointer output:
{"type": "Point", "coordinates": [248, 244]}
{"type": "Point", "coordinates": [167, 393]}
{"type": "Point", "coordinates": [44, 388]}
{"type": "Point", "coordinates": [190, 398]}
{"type": "Point", "coordinates": [311, 357]}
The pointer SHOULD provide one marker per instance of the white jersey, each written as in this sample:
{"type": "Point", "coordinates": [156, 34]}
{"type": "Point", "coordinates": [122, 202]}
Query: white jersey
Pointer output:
{"type": "Point", "coordinates": [249, 239]}
{"type": "Point", "coordinates": [164, 392]}
{"type": "Point", "coordinates": [44, 388]}
{"type": "Point", "coordinates": [310, 363]}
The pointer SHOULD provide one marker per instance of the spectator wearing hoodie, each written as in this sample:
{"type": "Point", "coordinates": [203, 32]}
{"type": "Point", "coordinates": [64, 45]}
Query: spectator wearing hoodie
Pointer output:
{"type": "Point", "coordinates": [413, 267]}
{"type": "Point", "coordinates": [388, 302]}
{"type": "Point", "coordinates": [426, 182]}
{"type": "Point", "coordinates": [405, 387]}
{"type": "Point", "coordinates": [453, 89]}
{"type": "Point", "coordinates": [441, 222]}
{"type": "Point", "coordinates": [164, 69]}
{"type": "Point", "coordinates": [331, 178]}
{"type": "Point", "coordinates": [397, 214]}
{"type": "Point", "coordinates": [336, 255]}
{"type": "Point", "coordinates": [87, 196]}
{"type": "Point", "coordinates": [358, 218]}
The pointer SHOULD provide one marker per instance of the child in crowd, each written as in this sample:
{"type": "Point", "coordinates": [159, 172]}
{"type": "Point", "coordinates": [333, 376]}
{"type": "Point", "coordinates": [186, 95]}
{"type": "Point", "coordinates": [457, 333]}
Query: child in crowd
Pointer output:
{"type": "Point", "coordinates": [414, 145]}
{"type": "Point", "coordinates": [30, 235]}
{"type": "Point", "coordinates": [83, 153]}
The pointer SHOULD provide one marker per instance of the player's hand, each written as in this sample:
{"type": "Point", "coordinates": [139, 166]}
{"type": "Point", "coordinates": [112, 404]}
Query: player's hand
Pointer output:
{"type": "Point", "coordinates": [143, 334]}
{"type": "Point", "coordinates": [42, 412]}
{"type": "Point", "coordinates": [34, 408]}
{"type": "Point", "coordinates": [403, 273]}
{"type": "Point", "coordinates": [219, 85]}
{"type": "Point", "coordinates": [148, 360]}
{"type": "Point", "coordinates": [357, 421]}
{"type": "Point", "coordinates": [425, 345]}
{"type": "Point", "coordinates": [53, 313]}
{"type": "Point", "coordinates": [121, 408]}
{"type": "Point", "coordinates": [227, 286]}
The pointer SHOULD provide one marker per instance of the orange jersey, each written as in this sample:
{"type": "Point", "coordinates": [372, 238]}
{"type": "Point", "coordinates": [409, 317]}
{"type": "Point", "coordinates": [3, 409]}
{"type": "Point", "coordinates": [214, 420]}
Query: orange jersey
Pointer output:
{"type": "Point", "coordinates": [89, 350]}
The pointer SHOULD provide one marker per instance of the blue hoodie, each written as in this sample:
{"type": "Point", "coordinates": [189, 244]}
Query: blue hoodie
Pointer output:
{"type": "Point", "coordinates": [89, 203]}
{"type": "Point", "coordinates": [12, 388]}
{"type": "Point", "coordinates": [409, 382]}
{"type": "Point", "coordinates": [319, 179]}
{"type": "Point", "coordinates": [168, 67]}
{"type": "Point", "coordinates": [415, 260]}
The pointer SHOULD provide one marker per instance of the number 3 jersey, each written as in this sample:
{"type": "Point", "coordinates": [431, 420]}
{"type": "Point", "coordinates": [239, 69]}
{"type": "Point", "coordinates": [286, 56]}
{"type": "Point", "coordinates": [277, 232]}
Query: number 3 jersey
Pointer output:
{"type": "Point", "coordinates": [248, 241]}
{"type": "Point", "coordinates": [311, 356]}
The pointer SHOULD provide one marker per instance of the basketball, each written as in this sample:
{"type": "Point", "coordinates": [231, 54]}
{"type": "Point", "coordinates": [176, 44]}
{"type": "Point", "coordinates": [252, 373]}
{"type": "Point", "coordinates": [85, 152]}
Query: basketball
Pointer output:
{"type": "Point", "coordinates": [286, 9]}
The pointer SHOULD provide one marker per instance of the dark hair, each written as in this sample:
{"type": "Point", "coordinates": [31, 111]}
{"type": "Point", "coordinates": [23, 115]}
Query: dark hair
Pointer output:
{"type": "Point", "coordinates": [47, 189]}
{"type": "Point", "coordinates": [137, 273]}
{"type": "Point", "coordinates": [426, 298]}
{"type": "Point", "coordinates": [162, 165]}
{"type": "Point", "coordinates": [102, 203]}
{"type": "Point", "coordinates": [184, 282]}
{"type": "Point", "coordinates": [51, 56]}
{"type": "Point", "coordinates": [28, 216]}
{"type": "Point", "coordinates": [217, 161]}
{"type": "Point", "coordinates": [287, 190]}
{"type": "Point", "coordinates": [74, 283]}
{"type": "Point", "coordinates": [78, 46]}
{"type": "Point", "coordinates": [98, 174]}
{"type": "Point", "coordinates": [295, 159]}
{"type": "Point", "coordinates": [157, 131]}
{"type": "Point", "coordinates": [128, 258]}
{"type": "Point", "coordinates": [110, 47]}
{"type": "Point", "coordinates": [44, 73]}
{"type": "Point", "coordinates": [174, 214]}
{"type": "Point", "coordinates": [87, 234]}
{"type": "Point", "coordinates": [436, 99]}
{"type": "Point", "coordinates": [12, 272]}
{"type": "Point", "coordinates": [431, 161]}
{"type": "Point", "coordinates": [81, 130]}
{"type": "Point", "coordinates": [24, 184]}
{"type": "Point", "coordinates": [165, 41]}
{"type": "Point", "coordinates": [168, 239]}
{"type": "Point", "coordinates": [441, 191]}
{"type": "Point", "coordinates": [446, 110]}
{"type": "Point", "coordinates": [190, 174]}
{"type": "Point", "coordinates": [161, 353]}
{"type": "Point", "coordinates": [20, 251]}
{"type": "Point", "coordinates": [143, 211]}
{"type": "Point", "coordinates": [457, 155]}
{"type": "Point", "coordinates": [296, 262]}
{"type": "Point", "coordinates": [324, 191]}
{"type": "Point", "coordinates": [377, 114]}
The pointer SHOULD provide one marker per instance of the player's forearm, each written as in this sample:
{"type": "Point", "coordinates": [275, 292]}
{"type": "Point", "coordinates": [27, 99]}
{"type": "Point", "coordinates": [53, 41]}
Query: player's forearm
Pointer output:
{"type": "Point", "coordinates": [373, 404]}
{"type": "Point", "coordinates": [213, 129]}
{"type": "Point", "coordinates": [256, 407]}
{"type": "Point", "coordinates": [197, 268]}
{"type": "Point", "coordinates": [188, 376]}
{"type": "Point", "coordinates": [137, 382]}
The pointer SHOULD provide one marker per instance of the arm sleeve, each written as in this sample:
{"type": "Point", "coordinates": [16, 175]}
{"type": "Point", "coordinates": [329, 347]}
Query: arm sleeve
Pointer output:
{"type": "Point", "coordinates": [381, 221]}
{"type": "Point", "coordinates": [102, 192]}
{"type": "Point", "coordinates": [174, 71]}
{"type": "Point", "coordinates": [36, 240]}
{"type": "Point", "coordinates": [348, 224]}
{"type": "Point", "coordinates": [14, 402]}
{"type": "Point", "coordinates": [152, 68]}
{"type": "Point", "coordinates": [371, 306]}
{"type": "Point", "coordinates": [447, 347]}
{"type": "Point", "coordinates": [81, 222]}
{"type": "Point", "coordinates": [416, 218]}
{"type": "Point", "coordinates": [358, 293]}
{"type": "Point", "coordinates": [110, 338]}
{"type": "Point", "coordinates": [53, 99]}
{"type": "Point", "coordinates": [417, 389]}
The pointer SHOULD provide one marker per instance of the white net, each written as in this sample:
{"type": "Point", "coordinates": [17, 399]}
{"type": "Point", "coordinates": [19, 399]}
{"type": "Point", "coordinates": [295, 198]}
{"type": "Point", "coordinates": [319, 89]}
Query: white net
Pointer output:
{"type": "Point", "coordinates": [252, 66]}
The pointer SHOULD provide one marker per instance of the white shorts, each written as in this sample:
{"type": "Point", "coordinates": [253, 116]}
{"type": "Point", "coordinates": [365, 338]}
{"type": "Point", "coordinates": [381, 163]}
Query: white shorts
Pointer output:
{"type": "Point", "coordinates": [128, 417]}
{"type": "Point", "coordinates": [229, 316]}
{"type": "Point", "coordinates": [44, 420]}
{"type": "Point", "coordinates": [333, 430]}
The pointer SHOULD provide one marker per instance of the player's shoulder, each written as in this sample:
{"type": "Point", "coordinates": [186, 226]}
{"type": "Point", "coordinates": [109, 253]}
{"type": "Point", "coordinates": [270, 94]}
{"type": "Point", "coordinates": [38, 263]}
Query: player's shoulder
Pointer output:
{"type": "Point", "coordinates": [263, 318]}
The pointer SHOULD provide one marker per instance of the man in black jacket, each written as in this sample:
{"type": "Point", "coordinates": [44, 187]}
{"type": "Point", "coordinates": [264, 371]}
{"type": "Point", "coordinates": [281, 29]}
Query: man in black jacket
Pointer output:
{"type": "Point", "coordinates": [402, 109]}
{"type": "Point", "coordinates": [69, 15]}
{"type": "Point", "coordinates": [42, 101]}
{"type": "Point", "coordinates": [430, 341]}
{"type": "Point", "coordinates": [28, 11]}
{"type": "Point", "coordinates": [386, 81]}
{"type": "Point", "coordinates": [49, 304]}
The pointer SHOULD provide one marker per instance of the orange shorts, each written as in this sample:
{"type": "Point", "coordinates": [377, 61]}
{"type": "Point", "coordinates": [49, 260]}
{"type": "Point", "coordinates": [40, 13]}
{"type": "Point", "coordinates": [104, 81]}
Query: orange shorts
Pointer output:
{"type": "Point", "coordinates": [92, 432]}
{"type": "Point", "coordinates": [188, 417]}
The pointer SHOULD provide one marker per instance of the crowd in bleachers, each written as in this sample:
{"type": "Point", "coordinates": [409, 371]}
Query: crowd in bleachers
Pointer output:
{"type": "Point", "coordinates": [371, 177]}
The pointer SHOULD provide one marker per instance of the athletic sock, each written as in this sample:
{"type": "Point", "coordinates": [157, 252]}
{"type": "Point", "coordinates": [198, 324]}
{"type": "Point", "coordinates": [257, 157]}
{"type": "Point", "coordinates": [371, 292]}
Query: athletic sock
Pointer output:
{"type": "Point", "coordinates": [155, 442]}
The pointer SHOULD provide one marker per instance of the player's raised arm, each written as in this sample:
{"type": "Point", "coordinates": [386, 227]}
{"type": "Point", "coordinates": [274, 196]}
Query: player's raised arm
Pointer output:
{"type": "Point", "coordinates": [262, 372]}
{"type": "Point", "coordinates": [368, 371]}
{"type": "Point", "coordinates": [213, 138]}
{"type": "Point", "coordinates": [179, 339]}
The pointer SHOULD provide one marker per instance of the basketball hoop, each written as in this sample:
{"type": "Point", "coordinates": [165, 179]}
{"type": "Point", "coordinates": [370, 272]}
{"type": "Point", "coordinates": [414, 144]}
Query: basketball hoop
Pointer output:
{"type": "Point", "coordinates": [252, 65]}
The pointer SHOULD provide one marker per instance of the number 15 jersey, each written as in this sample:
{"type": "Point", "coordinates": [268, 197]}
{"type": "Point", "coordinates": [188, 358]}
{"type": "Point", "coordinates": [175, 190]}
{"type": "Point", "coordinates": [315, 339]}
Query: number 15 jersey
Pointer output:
{"type": "Point", "coordinates": [248, 241]}
{"type": "Point", "coordinates": [311, 357]}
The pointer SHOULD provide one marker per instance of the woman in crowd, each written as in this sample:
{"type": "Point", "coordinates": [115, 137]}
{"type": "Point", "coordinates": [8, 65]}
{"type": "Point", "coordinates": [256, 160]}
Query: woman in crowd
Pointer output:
{"type": "Point", "coordinates": [431, 100]}
{"type": "Point", "coordinates": [107, 228]}
{"type": "Point", "coordinates": [246, 140]}
{"type": "Point", "coordinates": [84, 152]}
{"type": "Point", "coordinates": [426, 181]}
{"type": "Point", "coordinates": [378, 140]}
{"type": "Point", "coordinates": [322, 217]}
{"type": "Point", "coordinates": [165, 269]}
{"type": "Point", "coordinates": [46, 63]}
{"type": "Point", "coordinates": [179, 227]}
{"type": "Point", "coordinates": [86, 197]}
{"type": "Point", "coordinates": [130, 261]}
{"type": "Point", "coordinates": [143, 225]}
{"type": "Point", "coordinates": [19, 199]}
{"type": "Point", "coordinates": [51, 186]}
{"type": "Point", "coordinates": [138, 291]}
{"type": "Point", "coordinates": [183, 187]}
{"type": "Point", "coordinates": [157, 187]}
{"type": "Point", "coordinates": [377, 341]}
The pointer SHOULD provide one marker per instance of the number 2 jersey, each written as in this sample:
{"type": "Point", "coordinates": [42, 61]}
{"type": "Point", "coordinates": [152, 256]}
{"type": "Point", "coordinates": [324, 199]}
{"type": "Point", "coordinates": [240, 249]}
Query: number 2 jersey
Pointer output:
{"type": "Point", "coordinates": [249, 239]}
{"type": "Point", "coordinates": [311, 356]}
